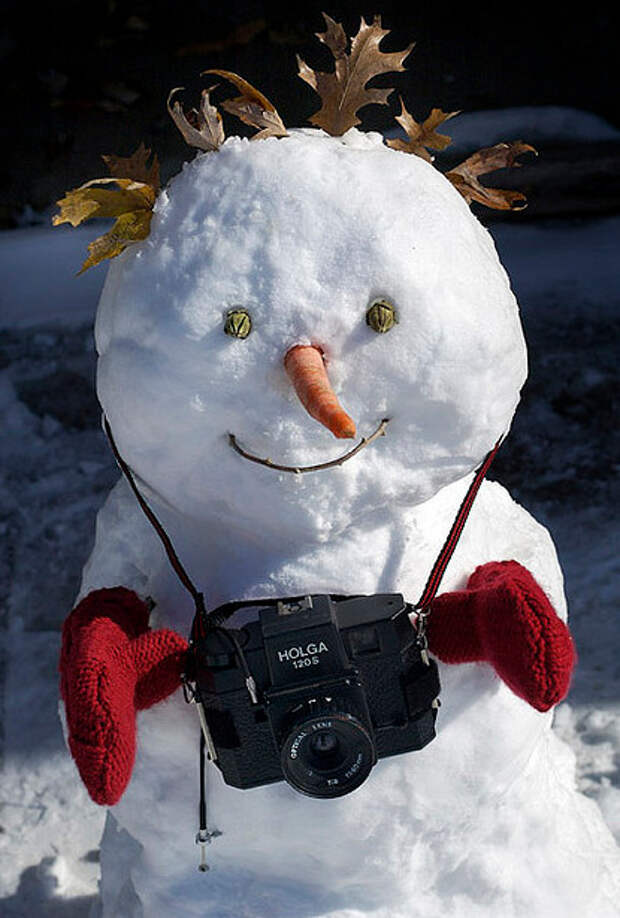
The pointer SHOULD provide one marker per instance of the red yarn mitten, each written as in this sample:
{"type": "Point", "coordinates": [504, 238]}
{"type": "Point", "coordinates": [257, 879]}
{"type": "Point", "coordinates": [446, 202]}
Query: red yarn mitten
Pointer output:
{"type": "Point", "coordinates": [111, 666]}
{"type": "Point", "coordinates": [504, 618]}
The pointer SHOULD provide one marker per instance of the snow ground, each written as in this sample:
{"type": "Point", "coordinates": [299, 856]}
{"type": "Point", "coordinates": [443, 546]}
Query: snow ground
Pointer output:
{"type": "Point", "coordinates": [559, 461]}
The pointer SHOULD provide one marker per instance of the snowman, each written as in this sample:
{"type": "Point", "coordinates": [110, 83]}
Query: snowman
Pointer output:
{"type": "Point", "coordinates": [278, 297]}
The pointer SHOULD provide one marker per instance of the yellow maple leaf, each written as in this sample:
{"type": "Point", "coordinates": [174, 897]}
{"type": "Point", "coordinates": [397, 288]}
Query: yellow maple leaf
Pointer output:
{"type": "Point", "coordinates": [128, 200]}
{"type": "Point", "coordinates": [135, 167]}
{"type": "Point", "coordinates": [129, 227]}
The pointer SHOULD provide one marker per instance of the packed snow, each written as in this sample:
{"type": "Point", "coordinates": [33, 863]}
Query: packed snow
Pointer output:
{"type": "Point", "coordinates": [479, 813]}
{"type": "Point", "coordinates": [269, 227]}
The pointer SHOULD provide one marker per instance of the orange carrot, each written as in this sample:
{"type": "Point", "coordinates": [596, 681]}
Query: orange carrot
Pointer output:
{"type": "Point", "coordinates": [306, 369]}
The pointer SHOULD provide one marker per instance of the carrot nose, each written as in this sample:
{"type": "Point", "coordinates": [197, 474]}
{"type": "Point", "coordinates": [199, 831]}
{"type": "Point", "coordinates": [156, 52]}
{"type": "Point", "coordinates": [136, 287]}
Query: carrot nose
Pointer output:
{"type": "Point", "coordinates": [306, 370]}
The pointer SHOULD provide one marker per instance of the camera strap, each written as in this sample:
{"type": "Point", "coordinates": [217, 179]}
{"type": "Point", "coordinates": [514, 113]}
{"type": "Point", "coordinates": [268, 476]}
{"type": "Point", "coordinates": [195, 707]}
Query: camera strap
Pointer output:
{"type": "Point", "coordinates": [203, 620]}
{"type": "Point", "coordinates": [434, 579]}
{"type": "Point", "coordinates": [178, 568]}
{"type": "Point", "coordinates": [200, 623]}
{"type": "Point", "coordinates": [440, 565]}
{"type": "Point", "coordinates": [423, 606]}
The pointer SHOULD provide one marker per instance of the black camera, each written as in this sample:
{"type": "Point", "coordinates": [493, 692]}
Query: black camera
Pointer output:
{"type": "Point", "coordinates": [313, 690]}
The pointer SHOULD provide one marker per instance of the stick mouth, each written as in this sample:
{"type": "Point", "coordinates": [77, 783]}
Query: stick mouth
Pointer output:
{"type": "Point", "coordinates": [299, 469]}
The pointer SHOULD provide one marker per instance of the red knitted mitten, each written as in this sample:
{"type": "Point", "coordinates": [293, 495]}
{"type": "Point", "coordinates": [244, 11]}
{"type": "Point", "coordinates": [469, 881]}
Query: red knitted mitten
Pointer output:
{"type": "Point", "coordinates": [504, 618]}
{"type": "Point", "coordinates": [111, 666]}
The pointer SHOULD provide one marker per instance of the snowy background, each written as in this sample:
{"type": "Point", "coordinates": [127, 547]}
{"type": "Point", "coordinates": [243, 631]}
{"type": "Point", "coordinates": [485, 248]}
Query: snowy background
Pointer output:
{"type": "Point", "coordinates": [561, 462]}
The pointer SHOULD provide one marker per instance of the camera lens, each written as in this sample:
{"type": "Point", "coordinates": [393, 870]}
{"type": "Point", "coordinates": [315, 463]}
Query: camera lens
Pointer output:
{"type": "Point", "coordinates": [325, 751]}
{"type": "Point", "coordinates": [324, 743]}
{"type": "Point", "coordinates": [327, 755]}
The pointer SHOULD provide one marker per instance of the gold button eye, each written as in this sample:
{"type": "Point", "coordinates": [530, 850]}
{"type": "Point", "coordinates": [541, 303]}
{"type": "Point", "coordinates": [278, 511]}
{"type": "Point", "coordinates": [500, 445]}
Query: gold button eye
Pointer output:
{"type": "Point", "coordinates": [238, 323]}
{"type": "Point", "coordinates": [381, 316]}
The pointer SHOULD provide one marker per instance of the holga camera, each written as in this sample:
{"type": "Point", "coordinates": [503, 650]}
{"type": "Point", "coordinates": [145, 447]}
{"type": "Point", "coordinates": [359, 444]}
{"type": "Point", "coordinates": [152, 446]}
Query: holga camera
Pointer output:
{"type": "Point", "coordinates": [335, 683]}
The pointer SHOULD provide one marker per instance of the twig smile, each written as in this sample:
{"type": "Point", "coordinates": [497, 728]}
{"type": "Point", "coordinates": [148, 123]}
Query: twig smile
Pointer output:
{"type": "Point", "coordinates": [365, 441]}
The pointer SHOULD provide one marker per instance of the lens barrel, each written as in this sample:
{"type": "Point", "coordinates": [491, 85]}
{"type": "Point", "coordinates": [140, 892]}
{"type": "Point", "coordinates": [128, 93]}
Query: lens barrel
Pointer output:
{"type": "Point", "coordinates": [327, 755]}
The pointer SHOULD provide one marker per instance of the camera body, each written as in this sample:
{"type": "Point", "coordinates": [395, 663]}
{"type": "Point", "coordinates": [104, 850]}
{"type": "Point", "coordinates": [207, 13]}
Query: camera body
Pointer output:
{"type": "Point", "coordinates": [340, 682]}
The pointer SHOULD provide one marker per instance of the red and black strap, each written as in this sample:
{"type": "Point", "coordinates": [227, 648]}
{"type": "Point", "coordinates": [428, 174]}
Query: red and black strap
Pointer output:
{"type": "Point", "coordinates": [432, 584]}
{"type": "Point", "coordinates": [439, 567]}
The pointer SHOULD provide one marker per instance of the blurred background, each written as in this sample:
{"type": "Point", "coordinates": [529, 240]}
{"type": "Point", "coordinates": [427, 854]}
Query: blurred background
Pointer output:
{"type": "Point", "coordinates": [80, 80]}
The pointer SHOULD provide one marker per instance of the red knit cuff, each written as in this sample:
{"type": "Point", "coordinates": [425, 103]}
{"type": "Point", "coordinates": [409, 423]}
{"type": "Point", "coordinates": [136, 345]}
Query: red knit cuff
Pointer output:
{"type": "Point", "coordinates": [112, 665]}
{"type": "Point", "coordinates": [504, 618]}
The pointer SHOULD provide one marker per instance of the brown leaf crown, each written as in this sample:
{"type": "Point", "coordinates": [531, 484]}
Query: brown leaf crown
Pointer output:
{"type": "Point", "coordinates": [343, 92]}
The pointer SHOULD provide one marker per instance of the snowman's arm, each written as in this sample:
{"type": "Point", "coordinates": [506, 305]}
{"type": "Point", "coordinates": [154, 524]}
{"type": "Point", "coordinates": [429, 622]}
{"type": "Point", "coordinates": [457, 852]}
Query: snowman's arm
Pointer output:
{"type": "Point", "coordinates": [126, 548]}
{"type": "Point", "coordinates": [111, 666]}
{"type": "Point", "coordinates": [503, 617]}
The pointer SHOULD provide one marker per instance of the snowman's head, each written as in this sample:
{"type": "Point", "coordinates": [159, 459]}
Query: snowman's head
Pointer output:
{"type": "Point", "coordinates": [304, 234]}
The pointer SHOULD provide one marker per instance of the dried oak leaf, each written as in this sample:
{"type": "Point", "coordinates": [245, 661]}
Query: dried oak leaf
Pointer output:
{"type": "Point", "coordinates": [344, 91]}
{"type": "Point", "coordinates": [203, 128]}
{"type": "Point", "coordinates": [421, 136]}
{"type": "Point", "coordinates": [465, 176]}
{"type": "Point", "coordinates": [130, 203]}
{"type": "Point", "coordinates": [135, 167]}
{"type": "Point", "coordinates": [252, 107]}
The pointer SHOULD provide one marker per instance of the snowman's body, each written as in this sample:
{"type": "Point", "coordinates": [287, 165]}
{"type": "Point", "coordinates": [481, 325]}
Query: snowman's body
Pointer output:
{"type": "Point", "coordinates": [304, 232]}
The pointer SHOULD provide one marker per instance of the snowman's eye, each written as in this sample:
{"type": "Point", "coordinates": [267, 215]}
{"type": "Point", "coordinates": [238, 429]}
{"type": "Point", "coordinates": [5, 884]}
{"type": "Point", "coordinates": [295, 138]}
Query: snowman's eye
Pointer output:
{"type": "Point", "coordinates": [238, 323]}
{"type": "Point", "coordinates": [381, 316]}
